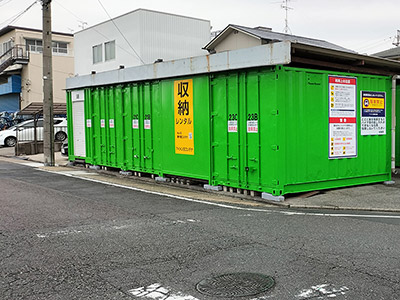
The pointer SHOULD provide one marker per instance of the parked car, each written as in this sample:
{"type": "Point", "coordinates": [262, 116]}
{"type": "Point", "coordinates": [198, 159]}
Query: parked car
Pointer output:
{"type": "Point", "coordinates": [5, 123]}
{"type": "Point", "coordinates": [25, 129]}
{"type": "Point", "coordinates": [64, 148]}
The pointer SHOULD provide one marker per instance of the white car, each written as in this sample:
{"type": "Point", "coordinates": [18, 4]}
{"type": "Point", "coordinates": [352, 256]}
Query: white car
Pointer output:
{"type": "Point", "coordinates": [26, 132]}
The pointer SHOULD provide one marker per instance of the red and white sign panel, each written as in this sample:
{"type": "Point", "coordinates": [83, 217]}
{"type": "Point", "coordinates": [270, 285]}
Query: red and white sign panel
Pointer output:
{"type": "Point", "coordinates": [342, 117]}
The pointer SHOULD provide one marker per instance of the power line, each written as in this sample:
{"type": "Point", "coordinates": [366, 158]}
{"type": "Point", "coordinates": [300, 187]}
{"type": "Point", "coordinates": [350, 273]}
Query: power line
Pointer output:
{"type": "Point", "coordinates": [6, 1]}
{"type": "Point", "coordinates": [19, 15]}
{"type": "Point", "coordinates": [121, 32]}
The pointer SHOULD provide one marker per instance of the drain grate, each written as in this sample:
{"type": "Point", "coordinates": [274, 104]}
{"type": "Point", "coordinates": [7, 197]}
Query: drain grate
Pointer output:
{"type": "Point", "coordinates": [235, 285]}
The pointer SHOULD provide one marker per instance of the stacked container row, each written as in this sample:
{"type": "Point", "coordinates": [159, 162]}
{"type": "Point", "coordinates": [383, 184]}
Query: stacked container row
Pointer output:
{"type": "Point", "coordinates": [264, 129]}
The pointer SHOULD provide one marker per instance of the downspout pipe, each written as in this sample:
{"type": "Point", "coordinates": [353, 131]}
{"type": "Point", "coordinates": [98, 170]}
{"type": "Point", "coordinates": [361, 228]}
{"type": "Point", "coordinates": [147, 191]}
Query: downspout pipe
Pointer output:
{"type": "Point", "coordinates": [393, 162]}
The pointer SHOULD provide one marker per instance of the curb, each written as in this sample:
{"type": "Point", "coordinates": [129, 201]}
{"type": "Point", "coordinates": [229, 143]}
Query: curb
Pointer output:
{"type": "Point", "coordinates": [282, 205]}
{"type": "Point", "coordinates": [375, 209]}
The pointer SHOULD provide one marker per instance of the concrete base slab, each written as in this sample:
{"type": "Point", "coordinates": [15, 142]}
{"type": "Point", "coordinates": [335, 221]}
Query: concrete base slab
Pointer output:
{"type": "Point", "coordinates": [213, 187]}
{"type": "Point", "coordinates": [268, 196]}
{"type": "Point", "coordinates": [391, 182]}
{"type": "Point", "coordinates": [125, 173]}
{"type": "Point", "coordinates": [161, 179]}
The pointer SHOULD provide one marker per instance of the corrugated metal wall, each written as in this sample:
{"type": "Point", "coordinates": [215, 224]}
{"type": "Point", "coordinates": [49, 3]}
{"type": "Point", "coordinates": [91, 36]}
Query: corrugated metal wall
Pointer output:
{"type": "Point", "coordinates": [263, 129]}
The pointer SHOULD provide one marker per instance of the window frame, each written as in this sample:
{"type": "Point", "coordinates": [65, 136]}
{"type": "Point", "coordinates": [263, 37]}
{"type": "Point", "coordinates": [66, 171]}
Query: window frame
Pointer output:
{"type": "Point", "coordinates": [94, 48]}
{"type": "Point", "coordinates": [110, 46]}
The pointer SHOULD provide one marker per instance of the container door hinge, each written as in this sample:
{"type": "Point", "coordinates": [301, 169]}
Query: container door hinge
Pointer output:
{"type": "Point", "coordinates": [234, 167]}
{"type": "Point", "coordinates": [275, 147]}
{"type": "Point", "coordinates": [214, 114]}
{"type": "Point", "coordinates": [253, 159]}
{"type": "Point", "coordinates": [275, 182]}
{"type": "Point", "coordinates": [275, 112]}
{"type": "Point", "coordinates": [215, 144]}
{"type": "Point", "coordinates": [231, 158]}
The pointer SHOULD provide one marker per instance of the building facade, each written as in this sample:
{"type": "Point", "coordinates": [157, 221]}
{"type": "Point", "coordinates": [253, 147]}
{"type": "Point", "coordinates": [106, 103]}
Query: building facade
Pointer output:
{"type": "Point", "coordinates": [139, 37]}
{"type": "Point", "coordinates": [21, 79]}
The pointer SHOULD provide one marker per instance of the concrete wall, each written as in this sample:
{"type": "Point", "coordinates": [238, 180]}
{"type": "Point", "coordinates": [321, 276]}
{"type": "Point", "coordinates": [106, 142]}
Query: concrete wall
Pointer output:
{"type": "Point", "coordinates": [237, 40]}
{"type": "Point", "coordinates": [152, 34]}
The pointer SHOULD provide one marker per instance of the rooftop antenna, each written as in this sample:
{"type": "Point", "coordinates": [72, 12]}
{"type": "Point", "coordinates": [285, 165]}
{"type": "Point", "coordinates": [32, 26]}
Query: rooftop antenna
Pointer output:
{"type": "Point", "coordinates": [396, 40]}
{"type": "Point", "coordinates": [82, 24]}
{"type": "Point", "coordinates": [286, 7]}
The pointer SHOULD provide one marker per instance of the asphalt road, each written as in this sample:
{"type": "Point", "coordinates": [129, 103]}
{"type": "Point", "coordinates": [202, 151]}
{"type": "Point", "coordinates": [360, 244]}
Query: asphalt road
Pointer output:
{"type": "Point", "coordinates": [66, 238]}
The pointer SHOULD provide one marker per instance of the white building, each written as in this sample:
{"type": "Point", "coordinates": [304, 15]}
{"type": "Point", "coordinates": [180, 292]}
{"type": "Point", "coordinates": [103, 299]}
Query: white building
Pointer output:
{"type": "Point", "coordinates": [139, 37]}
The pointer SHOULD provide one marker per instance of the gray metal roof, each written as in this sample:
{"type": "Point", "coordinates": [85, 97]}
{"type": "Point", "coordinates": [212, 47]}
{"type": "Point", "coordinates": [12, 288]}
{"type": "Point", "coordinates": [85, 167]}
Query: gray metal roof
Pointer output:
{"type": "Point", "coordinates": [390, 53]}
{"type": "Point", "coordinates": [264, 55]}
{"type": "Point", "coordinates": [271, 36]}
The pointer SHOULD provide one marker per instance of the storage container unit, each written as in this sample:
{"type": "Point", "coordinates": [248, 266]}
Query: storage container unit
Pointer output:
{"type": "Point", "coordinates": [254, 125]}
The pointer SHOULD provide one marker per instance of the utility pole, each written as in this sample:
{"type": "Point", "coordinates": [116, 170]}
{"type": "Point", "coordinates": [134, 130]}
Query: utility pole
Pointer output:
{"type": "Point", "coordinates": [48, 122]}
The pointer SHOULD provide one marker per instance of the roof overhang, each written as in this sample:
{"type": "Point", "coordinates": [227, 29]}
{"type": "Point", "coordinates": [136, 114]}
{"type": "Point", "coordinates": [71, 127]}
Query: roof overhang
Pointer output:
{"type": "Point", "coordinates": [279, 53]}
{"type": "Point", "coordinates": [259, 56]}
{"type": "Point", "coordinates": [36, 108]}
{"type": "Point", "coordinates": [312, 56]}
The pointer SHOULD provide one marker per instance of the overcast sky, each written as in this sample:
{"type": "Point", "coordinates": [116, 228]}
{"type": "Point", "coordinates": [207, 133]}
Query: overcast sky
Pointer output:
{"type": "Point", "coordinates": [366, 26]}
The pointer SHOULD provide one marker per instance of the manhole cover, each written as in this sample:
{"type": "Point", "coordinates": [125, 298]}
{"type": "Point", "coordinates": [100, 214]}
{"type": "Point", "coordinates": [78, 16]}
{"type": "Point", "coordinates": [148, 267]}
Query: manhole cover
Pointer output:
{"type": "Point", "coordinates": [235, 285]}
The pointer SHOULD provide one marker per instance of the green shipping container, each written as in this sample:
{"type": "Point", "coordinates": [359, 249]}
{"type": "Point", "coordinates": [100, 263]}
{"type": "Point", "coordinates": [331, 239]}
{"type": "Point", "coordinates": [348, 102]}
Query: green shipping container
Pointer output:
{"type": "Point", "coordinates": [272, 129]}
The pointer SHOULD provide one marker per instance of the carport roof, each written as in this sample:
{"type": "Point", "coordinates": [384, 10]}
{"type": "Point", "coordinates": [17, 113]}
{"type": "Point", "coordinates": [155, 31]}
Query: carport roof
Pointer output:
{"type": "Point", "coordinates": [36, 108]}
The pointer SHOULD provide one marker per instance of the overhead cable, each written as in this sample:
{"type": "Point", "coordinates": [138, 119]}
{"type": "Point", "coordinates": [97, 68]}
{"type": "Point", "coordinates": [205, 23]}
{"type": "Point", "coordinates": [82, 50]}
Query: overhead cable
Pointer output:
{"type": "Point", "coordinates": [111, 19]}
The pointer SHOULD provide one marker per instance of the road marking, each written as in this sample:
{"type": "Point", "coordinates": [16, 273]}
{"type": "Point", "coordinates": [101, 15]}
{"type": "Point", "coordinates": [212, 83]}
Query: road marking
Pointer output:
{"type": "Point", "coordinates": [270, 211]}
{"type": "Point", "coordinates": [32, 164]}
{"type": "Point", "coordinates": [157, 292]}
{"type": "Point", "coordinates": [322, 291]}
{"type": "Point", "coordinates": [58, 233]}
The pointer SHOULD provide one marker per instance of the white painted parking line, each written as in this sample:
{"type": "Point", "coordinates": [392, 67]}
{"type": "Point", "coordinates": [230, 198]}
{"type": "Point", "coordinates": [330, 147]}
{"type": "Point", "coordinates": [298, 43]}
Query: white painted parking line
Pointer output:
{"type": "Point", "coordinates": [269, 211]}
{"type": "Point", "coordinates": [78, 173]}
{"type": "Point", "coordinates": [322, 291]}
{"type": "Point", "coordinates": [157, 292]}
{"type": "Point", "coordinates": [32, 164]}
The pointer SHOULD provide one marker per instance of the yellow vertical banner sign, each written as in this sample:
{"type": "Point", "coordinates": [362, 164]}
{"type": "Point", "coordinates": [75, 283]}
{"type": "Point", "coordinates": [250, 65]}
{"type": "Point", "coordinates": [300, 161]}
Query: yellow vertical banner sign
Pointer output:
{"type": "Point", "coordinates": [183, 108]}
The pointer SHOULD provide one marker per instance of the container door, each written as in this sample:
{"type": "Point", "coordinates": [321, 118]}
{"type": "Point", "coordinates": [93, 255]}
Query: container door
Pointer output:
{"type": "Point", "coordinates": [78, 116]}
{"type": "Point", "coordinates": [95, 124]}
{"type": "Point", "coordinates": [234, 119]}
{"type": "Point", "coordinates": [103, 128]}
{"type": "Point", "coordinates": [226, 120]}
{"type": "Point", "coordinates": [120, 116]}
{"type": "Point", "coordinates": [111, 128]}
{"type": "Point", "coordinates": [252, 136]}
{"type": "Point", "coordinates": [148, 150]}
{"type": "Point", "coordinates": [137, 126]}
{"type": "Point", "coordinates": [128, 128]}
{"type": "Point", "coordinates": [219, 132]}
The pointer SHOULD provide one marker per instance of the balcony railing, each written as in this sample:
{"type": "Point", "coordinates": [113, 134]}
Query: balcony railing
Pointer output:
{"type": "Point", "coordinates": [15, 55]}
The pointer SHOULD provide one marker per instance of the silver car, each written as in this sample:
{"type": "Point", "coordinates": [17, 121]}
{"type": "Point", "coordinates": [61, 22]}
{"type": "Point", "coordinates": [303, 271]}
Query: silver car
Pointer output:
{"type": "Point", "coordinates": [26, 132]}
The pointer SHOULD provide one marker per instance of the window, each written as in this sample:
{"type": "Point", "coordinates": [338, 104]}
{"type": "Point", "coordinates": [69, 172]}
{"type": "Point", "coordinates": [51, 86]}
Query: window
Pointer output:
{"type": "Point", "coordinates": [60, 47]}
{"type": "Point", "coordinates": [6, 46]}
{"type": "Point", "coordinates": [37, 46]}
{"type": "Point", "coordinates": [97, 53]}
{"type": "Point", "coordinates": [34, 46]}
{"type": "Point", "coordinates": [109, 48]}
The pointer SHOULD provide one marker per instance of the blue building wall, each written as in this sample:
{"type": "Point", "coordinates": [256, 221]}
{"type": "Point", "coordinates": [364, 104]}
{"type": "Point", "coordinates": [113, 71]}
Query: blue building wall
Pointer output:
{"type": "Point", "coordinates": [13, 85]}
{"type": "Point", "coordinates": [9, 103]}
{"type": "Point", "coordinates": [9, 94]}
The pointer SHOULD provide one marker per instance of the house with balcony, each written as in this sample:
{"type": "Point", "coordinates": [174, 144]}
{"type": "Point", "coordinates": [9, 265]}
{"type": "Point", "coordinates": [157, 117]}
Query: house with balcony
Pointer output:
{"type": "Point", "coordinates": [21, 76]}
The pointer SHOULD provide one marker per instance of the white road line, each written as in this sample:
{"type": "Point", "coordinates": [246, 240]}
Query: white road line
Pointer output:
{"type": "Point", "coordinates": [270, 211]}
{"type": "Point", "coordinates": [321, 291]}
{"type": "Point", "coordinates": [157, 292]}
{"type": "Point", "coordinates": [32, 164]}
